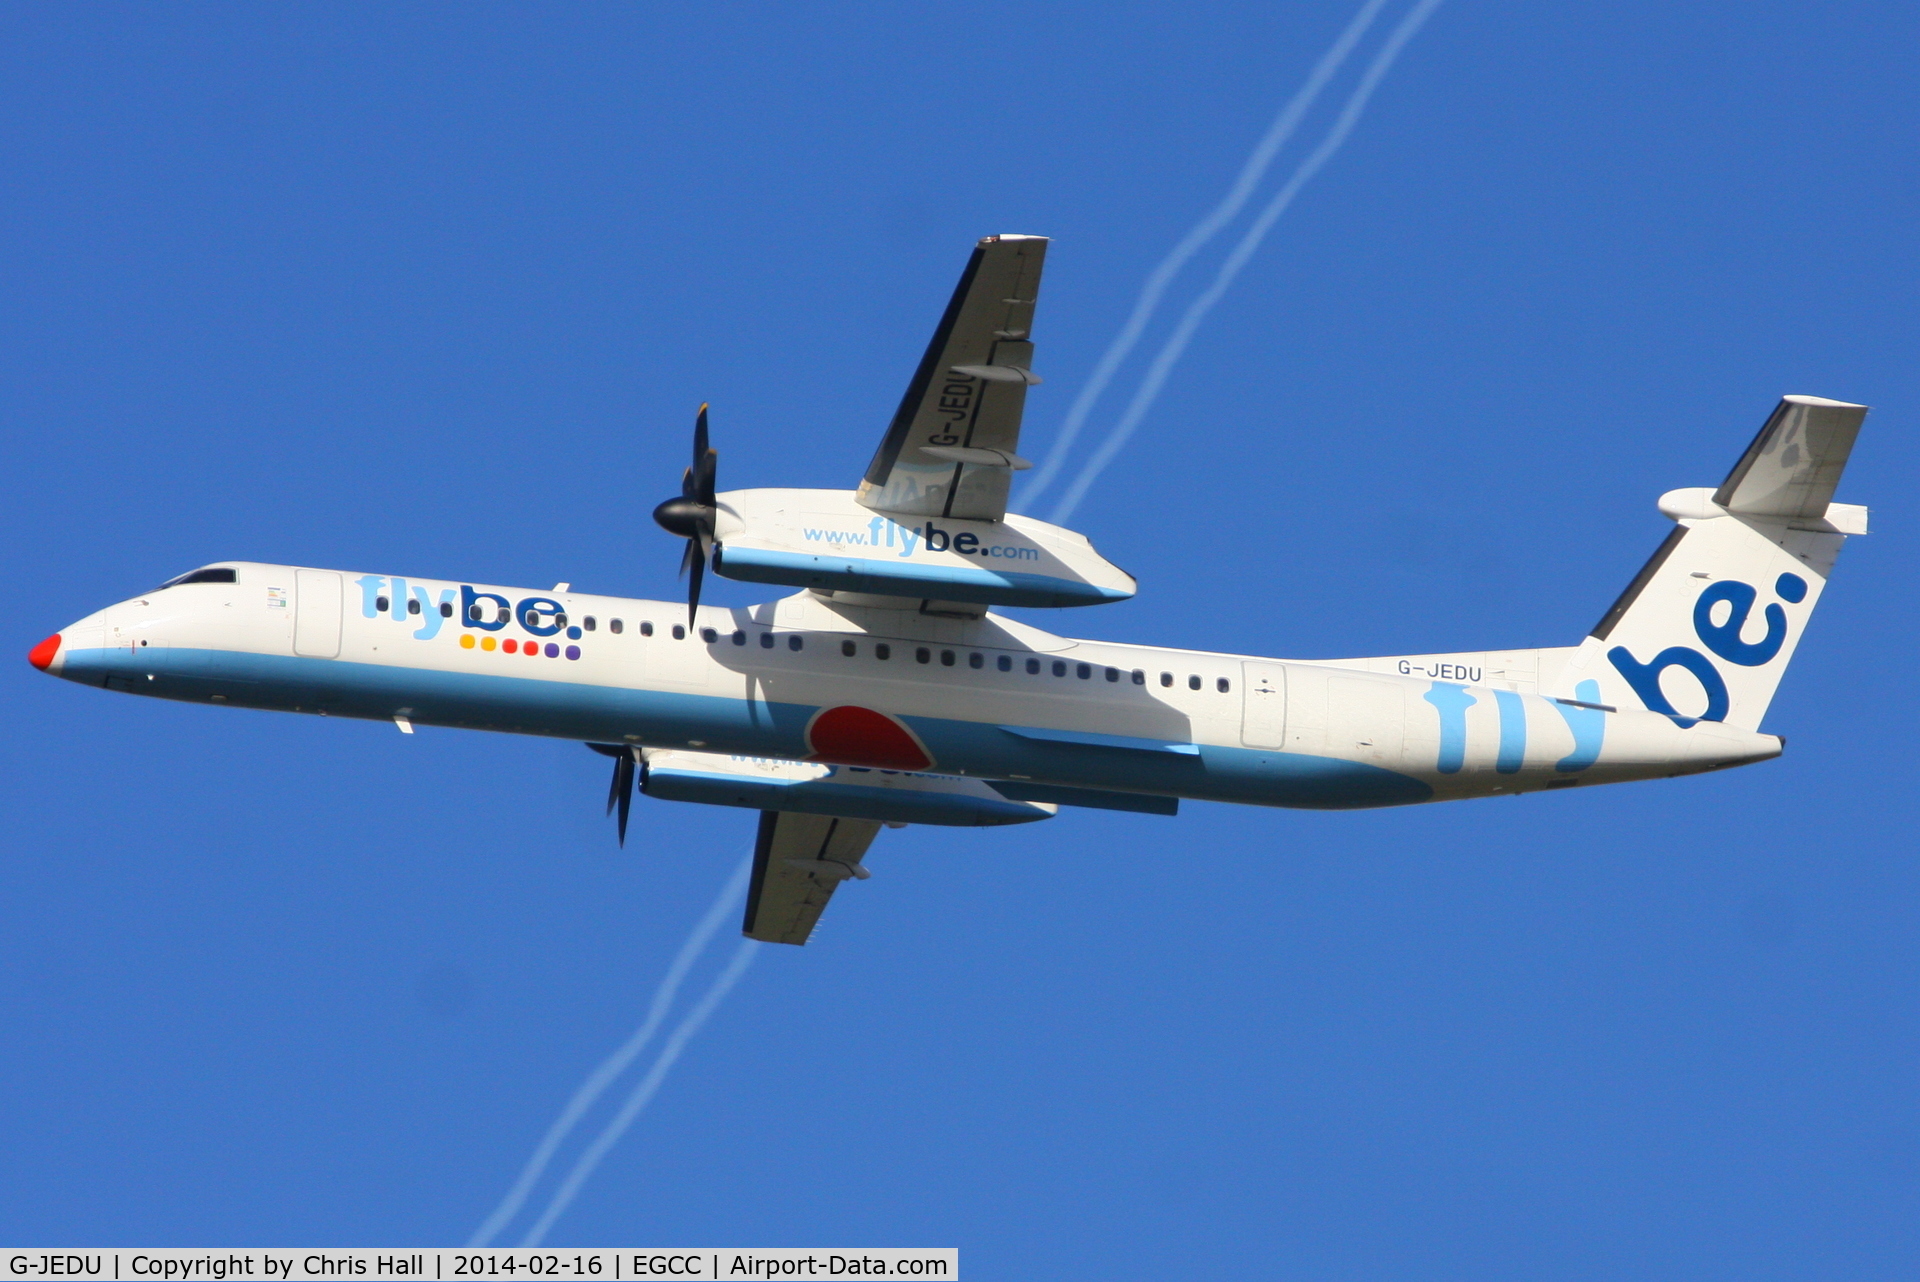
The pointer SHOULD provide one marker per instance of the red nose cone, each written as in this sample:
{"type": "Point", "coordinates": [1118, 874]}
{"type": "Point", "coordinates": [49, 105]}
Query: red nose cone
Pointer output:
{"type": "Point", "coordinates": [41, 656]}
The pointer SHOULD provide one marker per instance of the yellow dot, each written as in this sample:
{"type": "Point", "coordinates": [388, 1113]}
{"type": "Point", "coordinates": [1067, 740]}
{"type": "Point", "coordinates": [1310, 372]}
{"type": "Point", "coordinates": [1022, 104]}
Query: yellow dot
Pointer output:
{"type": "Point", "coordinates": [466, 640]}
{"type": "Point", "coordinates": [486, 643]}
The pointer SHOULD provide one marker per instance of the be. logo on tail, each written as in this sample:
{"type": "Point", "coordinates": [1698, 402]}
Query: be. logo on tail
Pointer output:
{"type": "Point", "coordinates": [1722, 638]}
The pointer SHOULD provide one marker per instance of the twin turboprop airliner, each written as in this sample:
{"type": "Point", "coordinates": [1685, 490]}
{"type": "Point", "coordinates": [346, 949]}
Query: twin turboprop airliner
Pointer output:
{"type": "Point", "coordinates": [884, 690]}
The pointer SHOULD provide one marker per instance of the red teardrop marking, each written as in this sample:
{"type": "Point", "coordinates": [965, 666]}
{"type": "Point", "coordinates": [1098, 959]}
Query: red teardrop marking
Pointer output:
{"type": "Point", "coordinates": [851, 736]}
{"type": "Point", "coordinates": [41, 656]}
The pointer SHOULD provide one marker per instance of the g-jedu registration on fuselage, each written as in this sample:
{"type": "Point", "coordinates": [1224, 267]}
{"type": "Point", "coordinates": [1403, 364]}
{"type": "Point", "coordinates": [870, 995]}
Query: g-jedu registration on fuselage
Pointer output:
{"type": "Point", "coordinates": [884, 691]}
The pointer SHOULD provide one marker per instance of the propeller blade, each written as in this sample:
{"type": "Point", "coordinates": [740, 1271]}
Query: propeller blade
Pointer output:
{"type": "Point", "coordinates": [623, 790]}
{"type": "Point", "coordinates": [697, 555]}
{"type": "Point", "coordinates": [621, 793]}
{"type": "Point", "coordinates": [706, 464]}
{"type": "Point", "coordinates": [613, 793]}
{"type": "Point", "coordinates": [691, 516]}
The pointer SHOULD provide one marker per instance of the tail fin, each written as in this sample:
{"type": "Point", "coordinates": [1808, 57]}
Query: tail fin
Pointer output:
{"type": "Point", "coordinates": [1705, 630]}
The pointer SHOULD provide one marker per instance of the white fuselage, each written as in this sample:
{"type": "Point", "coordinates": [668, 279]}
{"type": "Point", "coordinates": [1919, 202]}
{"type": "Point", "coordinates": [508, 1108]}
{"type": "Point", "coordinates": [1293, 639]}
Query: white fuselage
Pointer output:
{"type": "Point", "coordinates": [806, 678]}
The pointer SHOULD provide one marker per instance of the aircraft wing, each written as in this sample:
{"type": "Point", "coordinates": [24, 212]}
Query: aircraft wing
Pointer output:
{"type": "Point", "coordinates": [950, 450]}
{"type": "Point", "coordinates": [797, 862]}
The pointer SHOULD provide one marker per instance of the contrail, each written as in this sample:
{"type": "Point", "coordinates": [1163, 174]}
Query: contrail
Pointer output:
{"type": "Point", "coordinates": [1250, 175]}
{"type": "Point", "coordinates": [1176, 343]}
{"type": "Point", "coordinates": [643, 1093]}
{"type": "Point", "coordinates": [616, 1063]}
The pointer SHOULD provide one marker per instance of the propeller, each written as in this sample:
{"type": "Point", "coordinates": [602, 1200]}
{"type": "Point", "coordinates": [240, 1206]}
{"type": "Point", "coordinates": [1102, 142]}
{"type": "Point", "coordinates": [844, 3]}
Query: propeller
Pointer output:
{"type": "Point", "coordinates": [621, 793]}
{"type": "Point", "coordinates": [691, 515]}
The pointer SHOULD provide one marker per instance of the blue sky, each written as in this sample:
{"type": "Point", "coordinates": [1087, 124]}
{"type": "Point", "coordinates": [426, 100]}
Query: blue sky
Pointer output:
{"type": "Point", "coordinates": [436, 289]}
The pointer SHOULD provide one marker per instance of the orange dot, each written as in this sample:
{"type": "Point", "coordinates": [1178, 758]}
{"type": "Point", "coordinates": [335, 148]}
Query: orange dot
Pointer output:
{"type": "Point", "coordinates": [486, 643]}
{"type": "Point", "coordinates": [466, 640]}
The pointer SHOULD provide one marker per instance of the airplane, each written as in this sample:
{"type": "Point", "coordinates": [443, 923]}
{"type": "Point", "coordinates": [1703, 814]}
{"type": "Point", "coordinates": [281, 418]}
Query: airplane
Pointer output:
{"type": "Point", "coordinates": [885, 691]}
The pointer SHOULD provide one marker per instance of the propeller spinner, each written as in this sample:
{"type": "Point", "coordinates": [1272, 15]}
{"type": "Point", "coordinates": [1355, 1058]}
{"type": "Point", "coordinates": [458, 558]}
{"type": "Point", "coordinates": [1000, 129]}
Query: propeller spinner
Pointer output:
{"type": "Point", "coordinates": [690, 516]}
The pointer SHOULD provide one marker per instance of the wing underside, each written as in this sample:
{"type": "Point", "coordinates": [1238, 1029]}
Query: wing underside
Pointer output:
{"type": "Point", "coordinates": [950, 450]}
{"type": "Point", "coordinates": [798, 861]}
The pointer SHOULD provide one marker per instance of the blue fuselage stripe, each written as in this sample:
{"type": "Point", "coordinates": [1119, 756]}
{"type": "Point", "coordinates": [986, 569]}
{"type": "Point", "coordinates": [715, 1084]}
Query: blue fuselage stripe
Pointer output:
{"type": "Point", "coordinates": [658, 718]}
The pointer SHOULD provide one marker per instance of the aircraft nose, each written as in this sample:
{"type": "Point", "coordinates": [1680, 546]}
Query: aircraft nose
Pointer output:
{"type": "Point", "coordinates": [43, 655]}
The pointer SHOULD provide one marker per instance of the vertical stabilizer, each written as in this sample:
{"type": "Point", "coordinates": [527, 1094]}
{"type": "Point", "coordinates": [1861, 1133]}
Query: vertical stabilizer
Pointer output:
{"type": "Point", "coordinates": [1705, 630]}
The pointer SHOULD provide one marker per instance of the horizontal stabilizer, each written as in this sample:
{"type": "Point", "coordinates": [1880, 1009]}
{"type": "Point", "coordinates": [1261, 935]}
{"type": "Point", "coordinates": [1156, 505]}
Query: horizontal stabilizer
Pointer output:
{"type": "Point", "coordinates": [1794, 464]}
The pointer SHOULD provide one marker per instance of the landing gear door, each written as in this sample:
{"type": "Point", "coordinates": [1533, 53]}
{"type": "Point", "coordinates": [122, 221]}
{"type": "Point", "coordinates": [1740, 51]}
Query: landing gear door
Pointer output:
{"type": "Point", "coordinates": [1263, 714]}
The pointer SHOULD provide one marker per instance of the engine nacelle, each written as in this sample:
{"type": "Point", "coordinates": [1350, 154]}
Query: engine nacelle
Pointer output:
{"type": "Point", "coordinates": [849, 792]}
{"type": "Point", "coordinates": [826, 540]}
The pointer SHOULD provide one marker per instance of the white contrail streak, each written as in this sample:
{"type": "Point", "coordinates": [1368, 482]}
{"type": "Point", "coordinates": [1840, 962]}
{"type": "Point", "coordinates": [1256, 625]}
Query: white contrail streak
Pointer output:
{"type": "Point", "coordinates": [1150, 294]}
{"type": "Point", "coordinates": [1176, 343]}
{"type": "Point", "coordinates": [616, 1063]}
{"type": "Point", "coordinates": [643, 1093]}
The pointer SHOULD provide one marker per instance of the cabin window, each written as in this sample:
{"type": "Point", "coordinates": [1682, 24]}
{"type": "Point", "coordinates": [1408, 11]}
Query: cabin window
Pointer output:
{"type": "Point", "coordinates": [679, 632]}
{"type": "Point", "coordinates": [503, 615]}
{"type": "Point", "coordinates": [588, 623]}
{"type": "Point", "coordinates": [946, 658]}
{"type": "Point", "coordinates": [474, 613]}
{"type": "Point", "coordinates": [446, 609]}
{"type": "Point", "coordinates": [381, 603]}
{"type": "Point", "coordinates": [1059, 668]}
{"type": "Point", "coordinates": [413, 605]}
{"type": "Point", "coordinates": [1083, 670]}
{"type": "Point", "coordinates": [739, 637]}
{"type": "Point", "coordinates": [1139, 677]}
{"type": "Point", "coordinates": [794, 641]}
{"type": "Point", "coordinates": [1166, 678]}
{"type": "Point", "coordinates": [976, 660]}
{"type": "Point", "coordinates": [1033, 667]}
{"type": "Point", "coordinates": [1222, 685]}
{"type": "Point", "coordinates": [882, 651]}
{"type": "Point", "coordinates": [849, 649]}
{"type": "Point", "coordinates": [1004, 663]}
{"type": "Point", "coordinates": [1113, 674]}
{"type": "Point", "coordinates": [923, 655]}
{"type": "Point", "coordinates": [1193, 682]}
{"type": "Point", "coordinates": [709, 635]}
{"type": "Point", "coordinates": [560, 619]}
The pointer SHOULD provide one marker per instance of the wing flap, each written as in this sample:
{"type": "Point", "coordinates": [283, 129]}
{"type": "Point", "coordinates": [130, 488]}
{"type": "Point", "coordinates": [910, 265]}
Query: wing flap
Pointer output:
{"type": "Point", "coordinates": [797, 862]}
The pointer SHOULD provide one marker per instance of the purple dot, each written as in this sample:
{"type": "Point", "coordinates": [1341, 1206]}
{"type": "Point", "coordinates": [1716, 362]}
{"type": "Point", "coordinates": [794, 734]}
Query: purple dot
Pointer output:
{"type": "Point", "coordinates": [573, 652]}
{"type": "Point", "coordinates": [553, 651]}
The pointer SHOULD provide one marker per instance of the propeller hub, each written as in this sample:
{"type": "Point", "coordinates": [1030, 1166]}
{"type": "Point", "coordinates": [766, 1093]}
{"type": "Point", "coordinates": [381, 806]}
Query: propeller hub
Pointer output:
{"type": "Point", "coordinates": [685, 517]}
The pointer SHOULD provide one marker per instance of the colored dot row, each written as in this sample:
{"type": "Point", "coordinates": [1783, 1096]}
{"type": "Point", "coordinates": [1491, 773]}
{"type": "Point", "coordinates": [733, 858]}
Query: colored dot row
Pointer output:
{"type": "Point", "coordinates": [511, 646]}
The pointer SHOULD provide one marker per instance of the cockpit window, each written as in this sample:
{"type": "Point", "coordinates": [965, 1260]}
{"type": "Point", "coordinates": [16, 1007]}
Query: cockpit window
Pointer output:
{"type": "Point", "coordinates": [224, 574]}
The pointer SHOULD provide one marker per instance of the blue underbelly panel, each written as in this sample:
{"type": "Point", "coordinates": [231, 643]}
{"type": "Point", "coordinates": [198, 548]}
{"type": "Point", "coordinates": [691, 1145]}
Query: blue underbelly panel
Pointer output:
{"type": "Point", "coordinates": [572, 710]}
